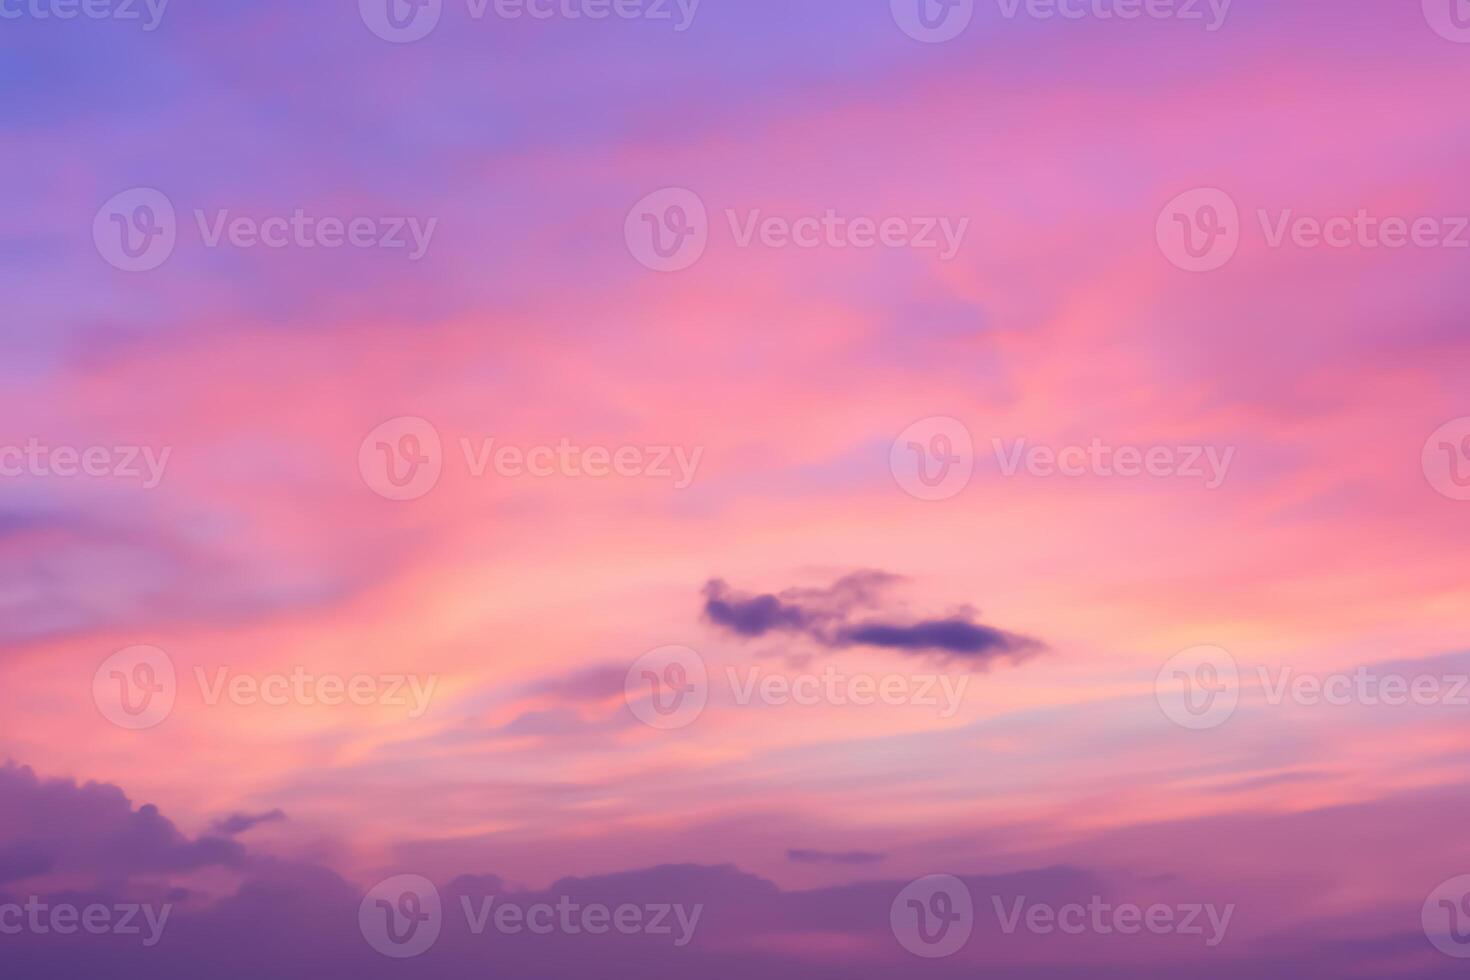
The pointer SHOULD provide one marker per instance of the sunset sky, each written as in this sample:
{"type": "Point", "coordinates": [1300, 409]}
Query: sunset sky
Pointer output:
{"type": "Point", "coordinates": [759, 416]}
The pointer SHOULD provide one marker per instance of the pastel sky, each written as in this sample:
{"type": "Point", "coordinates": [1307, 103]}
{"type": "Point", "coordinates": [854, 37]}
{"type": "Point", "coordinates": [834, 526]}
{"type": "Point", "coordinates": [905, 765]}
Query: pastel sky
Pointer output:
{"type": "Point", "coordinates": [737, 457]}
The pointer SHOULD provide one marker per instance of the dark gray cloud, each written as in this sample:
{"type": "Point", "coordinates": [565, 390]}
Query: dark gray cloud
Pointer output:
{"type": "Point", "coordinates": [829, 617]}
{"type": "Point", "coordinates": [956, 636]}
{"type": "Point", "coordinates": [803, 855]}
{"type": "Point", "coordinates": [753, 615]}
{"type": "Point", "coordinates": [25, 860]}
{"type": "Point", "coordinates": [239, 823]}
{"type": "Point", "coordinates": [93, 829]}
{"type": "Point", "coordinates": [299, 920]}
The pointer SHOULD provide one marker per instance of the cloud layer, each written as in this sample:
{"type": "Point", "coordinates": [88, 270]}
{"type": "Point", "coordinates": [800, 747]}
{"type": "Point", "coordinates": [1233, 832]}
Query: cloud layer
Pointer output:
{"type": "Point", "coordinates": [827, 617]}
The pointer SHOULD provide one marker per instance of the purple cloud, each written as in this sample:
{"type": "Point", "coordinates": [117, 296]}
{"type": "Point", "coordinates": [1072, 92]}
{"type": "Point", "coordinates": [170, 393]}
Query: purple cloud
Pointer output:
{"type": "Point", "coordinates": [239, 823]}
{"type": "Point", "coordinates": [808, 856]}
{"type": "Point", "coordinates": [824, 615]}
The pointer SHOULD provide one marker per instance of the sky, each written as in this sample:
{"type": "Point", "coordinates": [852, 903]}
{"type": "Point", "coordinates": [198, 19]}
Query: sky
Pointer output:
{"type": "Point", "coordinates": [864, 488]}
